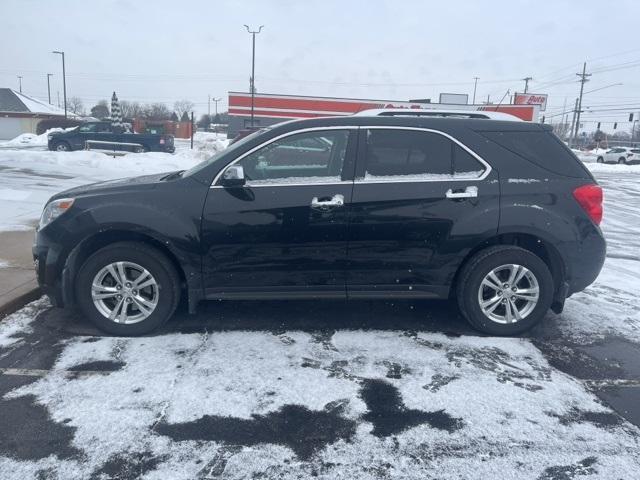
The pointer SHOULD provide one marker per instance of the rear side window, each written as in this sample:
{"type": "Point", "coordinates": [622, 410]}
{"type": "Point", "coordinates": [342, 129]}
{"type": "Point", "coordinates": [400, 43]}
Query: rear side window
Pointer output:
{"type": "Point", "coordinates": [542, 148]}
{"type": "Point", "coordinates": [416, 155]}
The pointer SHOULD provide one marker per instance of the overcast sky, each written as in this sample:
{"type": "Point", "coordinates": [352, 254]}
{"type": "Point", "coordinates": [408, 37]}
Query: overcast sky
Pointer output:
{"type": "Point", "coordinates": [169, 50]}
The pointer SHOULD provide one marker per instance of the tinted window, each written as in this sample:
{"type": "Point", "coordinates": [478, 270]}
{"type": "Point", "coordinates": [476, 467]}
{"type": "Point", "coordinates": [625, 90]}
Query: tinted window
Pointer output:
{"type": "Point", "coordinates": [542, 148]}
{"type": "Point", "coordinates": [305, 157]}
{"type": "Point", "coordinates": [91, 127]}
{"type": "Point", "coordinates": [412, 154]}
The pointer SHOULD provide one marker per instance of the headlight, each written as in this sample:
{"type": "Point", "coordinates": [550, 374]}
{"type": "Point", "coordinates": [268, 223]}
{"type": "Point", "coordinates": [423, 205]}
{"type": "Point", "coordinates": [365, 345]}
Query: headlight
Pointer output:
{"type": "Point", "coordinates": [54, 209]}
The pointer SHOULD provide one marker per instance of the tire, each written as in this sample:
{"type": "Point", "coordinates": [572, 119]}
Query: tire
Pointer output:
{"type": "Point", "coordinates": [600, 160]}
{"type": "Point", "coordinates": [62, 147]}
{"type": "Point", "coordinates": [622, 161]}
{"type": "Point", "coordinates": [470, 282]}
{"type": "Point", "coordinates": [138, 150]}
{"type": "Point", "coordinates": [160, 299]}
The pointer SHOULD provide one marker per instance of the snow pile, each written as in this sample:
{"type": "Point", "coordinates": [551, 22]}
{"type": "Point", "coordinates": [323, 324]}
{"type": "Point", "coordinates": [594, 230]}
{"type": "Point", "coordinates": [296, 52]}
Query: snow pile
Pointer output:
{"type": "Point", "coordinates": [30, 140]}
{"type": "Point", "coordinates": [613, 168]}
{"type": "Point", "coordinates": [29, 178]}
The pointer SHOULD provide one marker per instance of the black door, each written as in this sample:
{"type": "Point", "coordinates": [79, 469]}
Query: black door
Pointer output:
{"type": "Point", "coordinates": [285, 232]}
{"type": "Point", "coordinates": [420, 202]}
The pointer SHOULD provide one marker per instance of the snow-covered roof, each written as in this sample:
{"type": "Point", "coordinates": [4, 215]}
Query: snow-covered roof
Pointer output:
{"type": "Point", "coordinates": [12, 101]}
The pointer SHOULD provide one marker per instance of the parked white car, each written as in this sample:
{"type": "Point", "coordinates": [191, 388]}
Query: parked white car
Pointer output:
{"type": "Point", "coordinates": [620, 155]}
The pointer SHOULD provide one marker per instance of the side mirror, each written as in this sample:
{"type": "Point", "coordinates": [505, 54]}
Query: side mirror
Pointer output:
{"type": "Point", "coordinates": [233, 176]}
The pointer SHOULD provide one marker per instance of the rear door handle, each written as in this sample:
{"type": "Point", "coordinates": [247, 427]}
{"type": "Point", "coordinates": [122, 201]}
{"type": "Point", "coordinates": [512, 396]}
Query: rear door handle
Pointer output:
{"type": "Point", "coordinates": [469, 192]}
{"type": "Point", "coordinates": [333, 202]}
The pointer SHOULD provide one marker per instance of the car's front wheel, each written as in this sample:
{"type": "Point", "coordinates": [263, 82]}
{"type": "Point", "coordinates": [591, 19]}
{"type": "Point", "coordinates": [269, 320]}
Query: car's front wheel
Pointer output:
{"type": "Point", "coordinates": [128, 288]}
{"type": "Point", "coordinates": [600, 160]}
{"type": "Point", "coordinates": [504, 290]}
{"type": "Point", "coordinates": [62, 147]}
{"type": "Point", "coordinates": [622, 160]}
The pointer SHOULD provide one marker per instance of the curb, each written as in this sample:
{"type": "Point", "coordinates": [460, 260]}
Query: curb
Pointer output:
{"type": "Point", "coordinates": [20, 301]}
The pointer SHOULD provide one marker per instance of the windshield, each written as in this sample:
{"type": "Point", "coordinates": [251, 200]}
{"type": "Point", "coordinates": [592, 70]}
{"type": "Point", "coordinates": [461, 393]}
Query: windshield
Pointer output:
{"type": "Point", "coordinates": [219, 154]}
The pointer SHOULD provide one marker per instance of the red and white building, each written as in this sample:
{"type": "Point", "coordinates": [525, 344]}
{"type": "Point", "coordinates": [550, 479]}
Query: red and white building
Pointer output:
{"type": "Point", "coordinates": [274, 108]}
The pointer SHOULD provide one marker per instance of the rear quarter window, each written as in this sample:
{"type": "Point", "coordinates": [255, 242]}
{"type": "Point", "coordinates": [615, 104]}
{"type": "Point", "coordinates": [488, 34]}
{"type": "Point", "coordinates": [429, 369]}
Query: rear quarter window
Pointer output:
{"type": "Point", "coordinates": [542, 148]}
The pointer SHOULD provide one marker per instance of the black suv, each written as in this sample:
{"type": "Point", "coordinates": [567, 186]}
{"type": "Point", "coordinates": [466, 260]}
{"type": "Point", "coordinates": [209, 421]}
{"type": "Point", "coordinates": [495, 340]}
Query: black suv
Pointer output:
{"type": "Point", "coordinates": [499, 215]}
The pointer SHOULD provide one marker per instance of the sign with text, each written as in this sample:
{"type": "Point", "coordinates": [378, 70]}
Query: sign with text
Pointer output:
{"type": "Point", "coordinates": [531, 99]}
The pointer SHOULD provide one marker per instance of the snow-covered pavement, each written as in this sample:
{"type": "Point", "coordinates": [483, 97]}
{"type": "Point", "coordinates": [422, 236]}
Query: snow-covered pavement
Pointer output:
{"type": "Point", "coordinates": [361, 390]}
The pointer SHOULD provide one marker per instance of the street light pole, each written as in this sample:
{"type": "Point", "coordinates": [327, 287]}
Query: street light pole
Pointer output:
{"type": "Point", "coordinates": [64, 82]}
{"type": "Point", "coordinates": [216, 100]}
{"type": "Point", "coordinates": [252, 84]}
{"type": "Point", "coordinates": [49, 75]}
{"type": "Point", "coordinates": [475, 86]}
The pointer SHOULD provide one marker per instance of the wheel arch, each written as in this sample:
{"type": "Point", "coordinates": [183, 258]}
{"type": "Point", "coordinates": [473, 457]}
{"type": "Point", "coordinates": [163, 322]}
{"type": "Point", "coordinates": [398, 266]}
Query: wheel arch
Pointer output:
{"type": "Point", "coordinates": [101, 239]}
{"type": "Point", "coordinates": [540, 247]}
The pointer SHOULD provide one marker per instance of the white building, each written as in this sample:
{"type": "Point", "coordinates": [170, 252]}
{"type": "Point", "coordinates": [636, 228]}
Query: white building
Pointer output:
{"type": "Point", "coordinates": [20, 113]}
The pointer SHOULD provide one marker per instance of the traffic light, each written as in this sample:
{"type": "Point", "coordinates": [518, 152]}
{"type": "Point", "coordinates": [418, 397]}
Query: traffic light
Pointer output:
{"type": "Point", "coordinates": [631, 117]}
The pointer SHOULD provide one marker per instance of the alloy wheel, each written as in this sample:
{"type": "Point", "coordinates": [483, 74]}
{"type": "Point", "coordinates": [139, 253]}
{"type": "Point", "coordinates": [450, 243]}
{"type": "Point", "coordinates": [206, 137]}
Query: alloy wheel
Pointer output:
{"type": "Point", "coordinates": [124, 292]}
{"type": "Point", "coordinates": [508, 293]}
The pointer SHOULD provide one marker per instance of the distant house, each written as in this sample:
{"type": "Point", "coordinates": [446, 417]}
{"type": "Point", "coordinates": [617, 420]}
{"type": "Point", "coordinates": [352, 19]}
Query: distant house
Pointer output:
{"type": "Point", "coordinates": [20, 113]}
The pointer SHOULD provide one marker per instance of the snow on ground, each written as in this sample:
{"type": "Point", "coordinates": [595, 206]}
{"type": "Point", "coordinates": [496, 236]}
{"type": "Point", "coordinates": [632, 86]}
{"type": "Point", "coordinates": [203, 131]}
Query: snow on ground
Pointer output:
{"type": "Point", "coordinates": [355, 404]}
{"type": "Point", "coordinates": [28, 178]}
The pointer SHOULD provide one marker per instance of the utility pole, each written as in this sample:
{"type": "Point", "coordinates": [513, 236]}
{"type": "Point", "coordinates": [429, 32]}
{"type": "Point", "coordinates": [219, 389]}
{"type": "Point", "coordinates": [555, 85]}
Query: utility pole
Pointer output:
{"type": "Point", "coordinates": [252, 84]}
{"type": "Point", "coordinates": [49, 75]}
{"type": "Point", "coordinates": [64, 82]}
{"type": "Point", "coordinates": [526, 83]}
{"type": "Point", "coordinates": [583, 79]}
{"type": "Point", "coordinates": [20, 82]}
{"type": "Point", "coordinates": [573, 123]}
{"type": "Point", "coordinates": [58, 92]}
{"type": "Point", "coordinates": [475, 86]}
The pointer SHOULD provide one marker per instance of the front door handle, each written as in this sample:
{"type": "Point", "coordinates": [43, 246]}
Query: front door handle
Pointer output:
{"type": "Point", "coordinates": [469, 192]}
{"type": "Point", "coordinates": [328, 203]}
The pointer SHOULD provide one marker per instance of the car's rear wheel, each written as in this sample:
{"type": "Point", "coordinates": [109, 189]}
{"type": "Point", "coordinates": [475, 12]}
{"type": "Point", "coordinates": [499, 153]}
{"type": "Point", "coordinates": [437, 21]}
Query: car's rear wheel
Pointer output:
{"type": "Point", "coordinates": [128, 288]}
{"type": "Point", "coordinates": [504, 290]}
{"type": "Point", "coordinates": [62, 147]}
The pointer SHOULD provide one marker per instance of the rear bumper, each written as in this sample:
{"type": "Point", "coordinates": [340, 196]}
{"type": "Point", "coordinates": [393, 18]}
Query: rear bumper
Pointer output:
{"type": "Point", "coordinates": [585, 261]}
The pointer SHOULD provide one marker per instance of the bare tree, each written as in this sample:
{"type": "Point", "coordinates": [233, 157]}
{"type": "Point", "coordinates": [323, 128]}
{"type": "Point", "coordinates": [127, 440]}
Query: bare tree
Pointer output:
{"type": "Point", "coordinates": [76, 105]}
{"type": "Point", "coordinates": [157, 111]}
{"type": "Point", "coordinates": [100, 110]}
{"type": "Point", "coordinates": [182, 106]}
{"type": "Point", "coordinates": [131, 110]}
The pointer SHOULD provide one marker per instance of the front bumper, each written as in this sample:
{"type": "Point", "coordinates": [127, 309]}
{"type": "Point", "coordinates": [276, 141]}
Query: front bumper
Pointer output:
{"type": "Point", "coordinates": [50, 271]}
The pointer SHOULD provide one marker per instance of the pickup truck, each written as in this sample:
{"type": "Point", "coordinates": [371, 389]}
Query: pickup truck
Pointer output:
{"type": "Point", "coordinates": [104, 132]}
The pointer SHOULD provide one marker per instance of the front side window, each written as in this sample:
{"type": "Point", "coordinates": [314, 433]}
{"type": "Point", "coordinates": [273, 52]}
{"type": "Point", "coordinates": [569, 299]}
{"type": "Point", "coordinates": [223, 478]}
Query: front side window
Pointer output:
{"type": "Point", "coordinates": [310, 157]}
{"type": "Point", "coordinates": [409, 155]}
{"type": "Point", "coordinates": [91, 127]}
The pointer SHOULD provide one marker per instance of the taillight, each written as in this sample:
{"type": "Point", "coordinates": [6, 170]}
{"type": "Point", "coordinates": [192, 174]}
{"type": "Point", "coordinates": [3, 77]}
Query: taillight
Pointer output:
{"type": "Point", "coordinates": [161, 140]}
{"type": "Point", "coordinates": [590, 199]}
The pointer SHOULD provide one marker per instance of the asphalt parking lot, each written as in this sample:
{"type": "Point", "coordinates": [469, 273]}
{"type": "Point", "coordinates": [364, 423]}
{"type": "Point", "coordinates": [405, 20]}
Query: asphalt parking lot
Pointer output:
{"type": "Point", "coordinates": [283, 389]}
{"type": "Point", "coordinates": [357, 389]}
